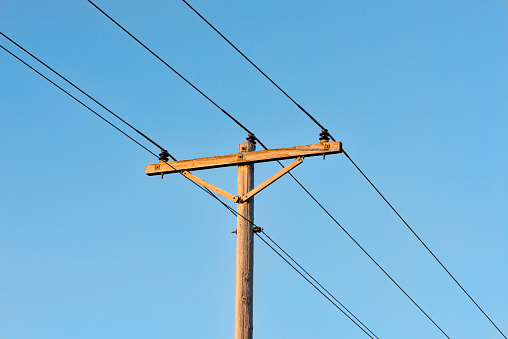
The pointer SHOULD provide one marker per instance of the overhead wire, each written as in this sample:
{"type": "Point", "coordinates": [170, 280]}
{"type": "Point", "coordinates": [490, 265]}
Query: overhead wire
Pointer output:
{"type": "Point", "coordinates": [424, 245]}
{"type": "Point", "coordinates": [206, 190]}
{"type": "Point", "coordinates": [256, 67]}
{"type": "Point", "coordinates": [86, 94]}
{"type": "Point", "coordinates": [378, 265]}
{"type": "Point", "coordinates": [248, 131]}
{"type": "Point", "coordinates": [99, 115]}
{"type": "Point", "coordinates": [324, 289]}
{"type": "Point", "coordinates": [95, 112]}
{"type": "Point", "coordinates": [337, 303]}
{"type": "Point", "coordinates": [310, 282]}
{"type": "Point", "coordinates": [171, 68]}
{"type": "Point", "coordinates": [76, 99]}
{"type": "Point", "coordinates": [349, 158]}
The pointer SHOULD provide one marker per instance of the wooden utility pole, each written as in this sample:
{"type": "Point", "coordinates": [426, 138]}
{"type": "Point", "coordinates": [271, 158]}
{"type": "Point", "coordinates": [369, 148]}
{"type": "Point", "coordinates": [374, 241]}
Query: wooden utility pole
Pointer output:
{"type": "Point", "coordinates": [244, 250]}
{"type": "Point", "coordinates": [245, 160]}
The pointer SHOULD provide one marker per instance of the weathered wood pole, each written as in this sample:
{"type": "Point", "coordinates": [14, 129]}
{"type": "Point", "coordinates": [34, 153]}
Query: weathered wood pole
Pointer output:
{"type": "Point", "coordinates": [244, 250]}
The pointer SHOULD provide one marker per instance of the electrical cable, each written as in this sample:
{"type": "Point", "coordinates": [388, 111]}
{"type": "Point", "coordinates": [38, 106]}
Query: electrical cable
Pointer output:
{"type": "Point", "coordinates": [294, 261]}
{"type": "Point", "coordinates": [101, 105]}
{"type": "Point", "coordinates": [76, 99]}
{"type": "Point", "coordinates": [248, 131]}
{"type": "Point", "coordinates": [299, 272]}
{"type": "Point", "coordinates": [256, 67]}
{"type": "Point", "coordinates": [97, 114]}
{"type": "Point", "coordinates": [310, 282]}
{"type": "Point", "coordinates": [374, 261]}
{"type": "Point", "coordinates": [171, 68]}
{"type": "Point", "coordinates": [324, 289]}
{"type": "Point", "coordinates": [128, 136]}
{"type": "Point", "coordinates": [303, 276]}
{"type": "Point", "coordinates": [70, 83]}
{"type": "Point", "coordinates": [102, 118]}
{"type": "Point", "coordinates": [422, 242]}
{"type": "Point", "coordinates": [323, 128]}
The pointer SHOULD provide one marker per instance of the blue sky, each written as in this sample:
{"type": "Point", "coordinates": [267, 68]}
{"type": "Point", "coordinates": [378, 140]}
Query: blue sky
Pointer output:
{"type": "Point", "coordinates": [91, 247]}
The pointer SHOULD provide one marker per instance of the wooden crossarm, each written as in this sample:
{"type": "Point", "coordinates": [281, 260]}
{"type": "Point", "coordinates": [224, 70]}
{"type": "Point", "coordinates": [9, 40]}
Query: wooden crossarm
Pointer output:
{"type": "Point", "coordinates": [245, 158]}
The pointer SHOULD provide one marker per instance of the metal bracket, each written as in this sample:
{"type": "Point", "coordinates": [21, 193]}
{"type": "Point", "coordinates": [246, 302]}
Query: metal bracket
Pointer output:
{"type": "Point", "coordinates": [255, 229]}
{"type": "Point", "coordinates": [247, 196]}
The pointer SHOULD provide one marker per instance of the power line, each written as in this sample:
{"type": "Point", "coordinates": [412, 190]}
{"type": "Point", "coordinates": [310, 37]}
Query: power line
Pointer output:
{"type": "Point", "coordinates": [338, 304]}
{"type": "Point", "coordinates": [259, 69]}
{"type": "Point", "coordinates": [303, 276]}
{"type": "Point", "coordinates": [250, 133]}
{"type": "Point", "coordinates": [324, 289]}
{"type": "Point", "coordinates": [79, 89]}
{"type": "Point", "coordinates": [375, 262]}
{"type": "Point", "coordinates": [79, 101]}
{"type": "Point", "coordinates": [423, 243]}
{"type": "Point", "coordinates": [323, 128]}
{"type": "Point", "coordinates": [204, 189]}
{"type": "Point", "coordinates": [171, 68]}
{"type": "Point", "coordinates": [104, 119]}
{"type": "Point", "coordinates": [180, 75]}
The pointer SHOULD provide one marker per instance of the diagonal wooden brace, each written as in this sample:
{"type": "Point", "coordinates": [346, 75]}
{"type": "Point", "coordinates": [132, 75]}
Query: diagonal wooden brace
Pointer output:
{"type": "Point", "coordinates": [210, 186]}
{"type": "Point", "coordinates": [253, 192]}
{"type": "Point", "coordinates": [271, 180]}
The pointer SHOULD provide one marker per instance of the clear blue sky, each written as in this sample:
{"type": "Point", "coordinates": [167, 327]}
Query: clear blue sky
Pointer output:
{"type": "Point", "coordinates": [90, 247]}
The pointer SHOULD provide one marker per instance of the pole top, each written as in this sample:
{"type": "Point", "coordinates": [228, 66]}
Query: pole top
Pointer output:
{"type": "Point", "coordinates": [246, 146]}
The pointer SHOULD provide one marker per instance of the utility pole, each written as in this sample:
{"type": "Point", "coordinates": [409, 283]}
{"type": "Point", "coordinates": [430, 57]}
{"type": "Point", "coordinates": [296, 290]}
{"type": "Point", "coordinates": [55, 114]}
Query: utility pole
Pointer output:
{"type": "Point", "coordinates": [245, 160]}
{"type": "Point", "coordinates": [244, 249]}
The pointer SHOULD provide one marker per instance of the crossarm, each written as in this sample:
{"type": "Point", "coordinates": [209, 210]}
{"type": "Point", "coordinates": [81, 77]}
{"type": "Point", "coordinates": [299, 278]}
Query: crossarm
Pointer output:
{"type": "Point", "coordinates": [238, 159]}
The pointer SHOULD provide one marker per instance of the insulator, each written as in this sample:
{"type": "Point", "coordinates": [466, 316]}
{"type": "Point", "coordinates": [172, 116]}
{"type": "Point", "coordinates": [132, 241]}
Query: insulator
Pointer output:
{"type": "Point", "coordinates": [251, 138]}
{"type": "Point", "coordinates": [324, 135]}
{"type": "Point", "coordinates": [164, 155]}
